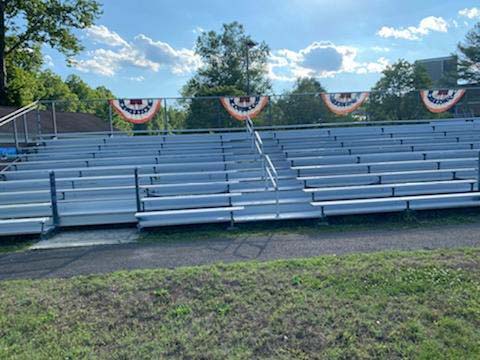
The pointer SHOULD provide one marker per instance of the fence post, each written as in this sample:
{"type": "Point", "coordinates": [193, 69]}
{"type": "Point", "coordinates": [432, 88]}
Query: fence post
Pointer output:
{"type": "Point", "coordinates": [53, 196]}
{"type": "Point", "coordinates": [39, 124]}
{"type": "Point", "coordinates": [478, 172]}
{"type": "Point", "coordinates": [25, 128]}
{"type": "Point", "coordinates": [218, 109]}
{"type": "Point", "coordinates": [165, 116]}
{"type": "Point", "coordinates": [110, 118]}
{"type": "Point", "coordinates": [270, 120]}
{"type": "Point", "coordinates": [15, 134]}
{"type": "Point", "coordinates": [137, 191]}
{"type": "Point", "coordinates": [54, 119]}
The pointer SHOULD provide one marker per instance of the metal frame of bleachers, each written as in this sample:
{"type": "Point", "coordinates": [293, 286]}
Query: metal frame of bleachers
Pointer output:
{"type": "Point", "coordinates": [238, 175]}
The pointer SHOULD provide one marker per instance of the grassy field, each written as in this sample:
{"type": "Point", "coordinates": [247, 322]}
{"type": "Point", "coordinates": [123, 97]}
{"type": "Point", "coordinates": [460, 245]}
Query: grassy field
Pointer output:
{"type": "Point", "coordinates": [419, 305]}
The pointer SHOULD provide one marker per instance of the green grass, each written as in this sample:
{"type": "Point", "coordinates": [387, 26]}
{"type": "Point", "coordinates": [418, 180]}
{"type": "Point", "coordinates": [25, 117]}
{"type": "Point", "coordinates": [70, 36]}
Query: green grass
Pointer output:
{"type": "Point", "coordinates": [393, 305]}
{"type": "Point", "coordinates": [17, 243]}
{"type": "Point", "coordinates": [389, 221]}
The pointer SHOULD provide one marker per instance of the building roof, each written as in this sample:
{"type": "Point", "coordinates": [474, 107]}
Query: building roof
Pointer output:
{"type": "Point", "coordinates": [66, 122]}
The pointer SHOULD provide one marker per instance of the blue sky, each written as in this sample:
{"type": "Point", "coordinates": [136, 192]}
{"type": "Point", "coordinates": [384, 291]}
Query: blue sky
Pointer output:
{"type": "Point", "coordinates": [144, 48]}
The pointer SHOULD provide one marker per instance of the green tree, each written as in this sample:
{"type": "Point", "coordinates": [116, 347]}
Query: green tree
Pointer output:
{"type": "Point", "coordinates": [224, 72]}
{"type": "Point", "coordinates": [26, 24]}
{"type": "Point", "coordinates": [224, 62]}
{"type": "Point", "coordinates": [395, 96]}
{"type": "Point", "coordinates": [54, 88]}
{"type": "Point", "coordinates": [23, 68]}
{"type": "Point", "coordinates": [302, 105]}
{"type": "Point", "coordinates": [205, 112]}
{"type": "Point", "coordinates": [469, 56]}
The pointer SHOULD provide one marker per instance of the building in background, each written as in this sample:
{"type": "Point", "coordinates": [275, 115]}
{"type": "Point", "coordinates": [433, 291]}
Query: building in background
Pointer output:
{"type": "Point", "coordinates": [443, 71]}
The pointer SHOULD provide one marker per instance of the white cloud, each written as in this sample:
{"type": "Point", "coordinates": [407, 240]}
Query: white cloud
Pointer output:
{"type": "Point", "coordinates": [425, 27]}
{"type": "Point", "coordinates": [319, 59]}
{"type": "Point", "coordinates": [472, 13]}
{"type": "Point", "coordinates": [181, 61]}
{"type": "Point", "coordinates": [107, 62]}
{"type": "Point", "coordinates": [103, 35]}
{"type": "Point", "coordinates": [380, 49]}
{"type": "Point", "coordinates": [136, 78]}
{"type": "Point", "coordinates": [142, 53]}
{"type": "Point", "coordinates": [47, 61]}
{"type": "Point", "coordinates": [198, 30]}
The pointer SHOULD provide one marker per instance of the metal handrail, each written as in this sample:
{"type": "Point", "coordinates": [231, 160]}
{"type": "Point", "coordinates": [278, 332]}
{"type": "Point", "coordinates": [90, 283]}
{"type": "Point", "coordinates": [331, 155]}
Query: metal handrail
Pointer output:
{"type": "Point", "coordinates": [17, 113]}
{"type": "Point", "coordinates": [269, 171]}
{"type": "Point", "coordinates": [13, 116]}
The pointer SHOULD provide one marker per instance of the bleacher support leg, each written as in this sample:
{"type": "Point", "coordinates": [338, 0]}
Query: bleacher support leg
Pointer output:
{"type": "Point", "coordinates": [137, 191]}
{"type": "Point", "coordinates": [53, 197]}
{"type": "Point", "coordinates": [232, 226]}
{"type": "Point", "coordinates": [323, 221]}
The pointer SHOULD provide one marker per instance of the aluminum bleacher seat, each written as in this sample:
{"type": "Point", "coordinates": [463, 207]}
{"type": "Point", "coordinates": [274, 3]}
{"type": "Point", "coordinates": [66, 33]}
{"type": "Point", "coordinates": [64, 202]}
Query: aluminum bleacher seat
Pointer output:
{"type": "Point", "coordinates": [202, 178]}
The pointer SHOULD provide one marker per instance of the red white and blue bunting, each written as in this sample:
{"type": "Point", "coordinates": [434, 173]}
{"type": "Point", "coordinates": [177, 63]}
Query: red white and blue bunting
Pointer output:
{"type": "Point", "coordinates": [438, 101]}
{"type": "Point", "coordinates": [243, 107]}
{"type": "Point", "coordinates": [344, 103]}
{"type": "Point", "coordinates": [136, 111]}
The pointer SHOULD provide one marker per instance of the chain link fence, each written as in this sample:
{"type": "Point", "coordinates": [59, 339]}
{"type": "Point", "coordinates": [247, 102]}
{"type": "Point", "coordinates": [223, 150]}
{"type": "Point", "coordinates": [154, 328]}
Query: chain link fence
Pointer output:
{"type": "Point", "coordinates": [58, 118]}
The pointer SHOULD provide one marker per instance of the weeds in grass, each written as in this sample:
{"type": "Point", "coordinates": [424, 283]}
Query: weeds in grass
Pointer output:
{"type": "Point", "coordinates": [394, 305]}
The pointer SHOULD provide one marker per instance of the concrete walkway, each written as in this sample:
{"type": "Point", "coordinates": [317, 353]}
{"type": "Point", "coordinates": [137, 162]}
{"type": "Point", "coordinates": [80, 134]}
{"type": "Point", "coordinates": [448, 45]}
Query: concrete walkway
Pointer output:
{"type": "Point", "coordinates": [82, 238]}
{"type": "Point", "coordinates": [103, 259]}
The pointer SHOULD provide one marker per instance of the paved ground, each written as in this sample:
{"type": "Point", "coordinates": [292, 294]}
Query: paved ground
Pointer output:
{"type": "Point", "coordinates": [81, 238]}
{"type": "Point", "coordinates": [101, 259]}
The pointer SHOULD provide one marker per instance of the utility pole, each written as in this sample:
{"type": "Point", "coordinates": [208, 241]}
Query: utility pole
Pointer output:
{"type": "Point", "coordinates": [249, 45]}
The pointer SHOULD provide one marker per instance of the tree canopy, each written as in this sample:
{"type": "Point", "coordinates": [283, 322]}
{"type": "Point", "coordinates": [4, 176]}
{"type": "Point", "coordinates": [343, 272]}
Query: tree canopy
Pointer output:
{"type": "Point", "coordinates": [469, 56]}
{"type": "Point", "coordinates": [395, 95]}
{"type": "Point", "coordinates": [224, 72]}
{"type": "Point", "coordinates": [294, 107]}
{"type": "Point", "coordinates": [224, 57]}
{"type": "Point", "coordinates": [25, 25]}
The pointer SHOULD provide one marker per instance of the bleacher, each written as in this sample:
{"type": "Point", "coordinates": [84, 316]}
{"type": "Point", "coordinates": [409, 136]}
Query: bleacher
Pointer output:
{"type": "Point", "coordinates": [242, 176]}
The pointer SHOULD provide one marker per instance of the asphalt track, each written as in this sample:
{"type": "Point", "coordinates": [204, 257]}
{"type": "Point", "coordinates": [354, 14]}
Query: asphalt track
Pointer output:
{"type": "Point", "coordinates": [104, 259]}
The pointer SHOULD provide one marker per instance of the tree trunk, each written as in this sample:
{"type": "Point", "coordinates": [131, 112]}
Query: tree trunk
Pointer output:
{"type": "Point", "coordinates": [3, 67]}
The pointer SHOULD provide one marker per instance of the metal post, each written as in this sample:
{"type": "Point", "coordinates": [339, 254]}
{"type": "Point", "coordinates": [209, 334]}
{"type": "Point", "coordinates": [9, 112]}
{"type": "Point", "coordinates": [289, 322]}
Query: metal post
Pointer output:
{"type": "Point", "coordinates": [39, 124]}
{"type": "Point", "coordinates": [165, 116]}
{"type": "Point", "coordinates": [478, 172]}
{"type": "Point", "coordinates": [218, 108]}
{"type": "Point", "coordinates": [137, 191]}
{"type": "Point", "coordinates": [270, 120]}
{"type": "Point", "coordinates": [53, 196]}
{"type": "Point", "coordinates": [15, 134]}
{"type": "Point", "coordinates": [25, 128]}
{"type": "Point", "coordinates": [248, 72]}
{"type": "Point", "coordinates": [277, 200]}
{"type": "Point", "coordinates": [54, 119]}
{"type": "Point", "coordinates": [110, 118]}
{"type": "Point", "coordinates": [249, 45]}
